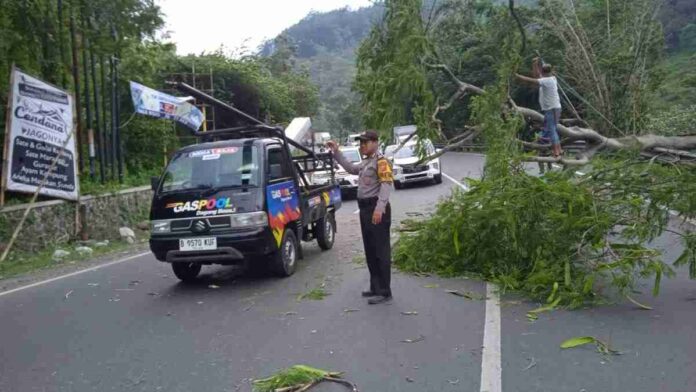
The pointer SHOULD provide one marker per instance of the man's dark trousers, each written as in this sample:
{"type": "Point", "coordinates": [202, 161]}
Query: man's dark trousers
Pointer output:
{"type": "Point", "coordinates": [376, 239]}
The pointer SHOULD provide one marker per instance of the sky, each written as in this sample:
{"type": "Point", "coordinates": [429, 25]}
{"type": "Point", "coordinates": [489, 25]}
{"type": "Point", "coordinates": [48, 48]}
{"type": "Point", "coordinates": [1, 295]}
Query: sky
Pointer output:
{"type": "Point", "coordinates": [205, 25]}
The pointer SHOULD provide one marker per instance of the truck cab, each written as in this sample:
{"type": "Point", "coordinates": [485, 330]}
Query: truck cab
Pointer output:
{"type": "Point", "coordinates": [241, 201]}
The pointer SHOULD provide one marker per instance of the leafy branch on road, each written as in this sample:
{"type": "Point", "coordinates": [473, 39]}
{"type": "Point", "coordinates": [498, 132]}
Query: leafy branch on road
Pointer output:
{"type": "Point", "coordinates": [299, 378]}
{"type": "Point", "coordinates": [316, 294]}
{"type": "Point", "coordinates": [602, 347]}
{"type": "Point", "coordinates": [561, 236]}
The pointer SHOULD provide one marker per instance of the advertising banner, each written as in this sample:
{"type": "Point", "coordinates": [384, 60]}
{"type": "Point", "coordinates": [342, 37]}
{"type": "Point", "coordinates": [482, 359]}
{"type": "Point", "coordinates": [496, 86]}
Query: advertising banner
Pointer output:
{"type": "Point", "coordinates": [158, 104]}
{"type": "Point", "coordinates": [40, 130]}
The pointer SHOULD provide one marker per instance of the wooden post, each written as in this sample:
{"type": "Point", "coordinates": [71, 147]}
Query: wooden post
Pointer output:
{"type": "Point", "coordinates": [6, 145]}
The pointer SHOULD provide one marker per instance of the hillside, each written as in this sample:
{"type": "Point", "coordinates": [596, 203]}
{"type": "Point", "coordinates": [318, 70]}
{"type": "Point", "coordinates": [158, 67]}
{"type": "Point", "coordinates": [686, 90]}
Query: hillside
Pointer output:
{"type": "Point", "coordinates": [325, 44]}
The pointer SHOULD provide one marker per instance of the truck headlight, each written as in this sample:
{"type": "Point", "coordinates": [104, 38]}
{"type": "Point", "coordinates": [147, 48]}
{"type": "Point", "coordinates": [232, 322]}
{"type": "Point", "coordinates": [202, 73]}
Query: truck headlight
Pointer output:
{"type": "Point", "coordinates": [397, 170]}
{"type": "Point", "coordinates": [250, 219]}
{"type": "Point", "coordinates": [161, 226]}
{"type": "Point", "coordinates": [435, 165]}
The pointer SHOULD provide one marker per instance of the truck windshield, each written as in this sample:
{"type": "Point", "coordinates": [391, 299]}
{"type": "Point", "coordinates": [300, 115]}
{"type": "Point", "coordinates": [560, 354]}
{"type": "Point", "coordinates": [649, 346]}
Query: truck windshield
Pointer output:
{"type": "Point", "coordinates": [405, 152]}
{"type": "Point", "coordinates": [212, 168]}
{"type": "Point", "coordinates": [352, 155]}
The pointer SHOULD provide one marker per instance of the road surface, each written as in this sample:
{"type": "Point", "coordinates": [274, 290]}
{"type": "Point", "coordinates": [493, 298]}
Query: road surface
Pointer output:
{"type": "Point", "coordinates": [131, 326]}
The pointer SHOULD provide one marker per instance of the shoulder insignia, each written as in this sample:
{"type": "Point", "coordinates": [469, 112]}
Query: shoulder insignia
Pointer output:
{"type": "Point", "coordinates": [384, 170]}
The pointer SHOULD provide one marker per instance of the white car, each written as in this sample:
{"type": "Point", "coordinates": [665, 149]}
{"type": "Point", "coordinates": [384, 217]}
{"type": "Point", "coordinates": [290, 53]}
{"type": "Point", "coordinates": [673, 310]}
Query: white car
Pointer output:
{"type": "Point", "coordinates": [405, 168]}
{"type": "Point", "coordinates": [347, 181]}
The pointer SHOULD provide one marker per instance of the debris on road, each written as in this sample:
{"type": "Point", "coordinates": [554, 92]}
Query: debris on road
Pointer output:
{"type": "Point", "coordinates": [290, 313]}
{"type": "Point", "coordinates": [638, 304]}
{"type": "Point", "coordinates": [315, 294]}
{"type": "Point", "coordinates": [213, 286]}
{"type": "Point", "coordinates": [134, 283]}
{"type": "Point", "coordinates": [453, 382]}
{"type": "Point", "coordinates": [418, 339]}
{"type": "Point", "coordinates": [467, 295]}
{"type": "Point", "coordinates": [124, 289]}
{"type": "Point", "coordinates": [153, 293]}
{"type": "Point", "coordinates": [431, 286]}
{"type": "Point", "coordinates": [532, 363]}
{"type": "Point", "coordinates": [348, 310]}
{"type": "Point", "coordinates": [602, 347]}
{"type": "Point", "coordinates": [409, 379]}
{"type": "Point", "coordinates": [200, 302]}
{"type": "Point", "coordinates": [93, 284]}
{"type": "Point", "coordinates": [299, 378]}
{"type": "Point", "coordinates": [410, 313]}
{"type": "Point", "coordinates": [68, 294]}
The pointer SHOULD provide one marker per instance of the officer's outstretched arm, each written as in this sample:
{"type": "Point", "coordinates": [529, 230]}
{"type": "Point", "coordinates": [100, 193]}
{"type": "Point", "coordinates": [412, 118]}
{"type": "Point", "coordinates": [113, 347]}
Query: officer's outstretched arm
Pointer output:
{"type": "Point", "coordinates": [386, 180]}
{"type": "Point", "coordinates": [349, 166]}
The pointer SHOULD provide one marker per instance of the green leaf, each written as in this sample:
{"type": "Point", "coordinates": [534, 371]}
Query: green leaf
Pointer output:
{"type": "Point", "coordinates": [578, 341]}
{"type": "Point", "coordinates": [656, 286]}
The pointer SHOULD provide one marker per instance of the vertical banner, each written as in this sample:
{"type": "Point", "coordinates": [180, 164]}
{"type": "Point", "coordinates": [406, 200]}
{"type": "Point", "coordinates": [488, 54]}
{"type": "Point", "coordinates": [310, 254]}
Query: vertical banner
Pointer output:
{"type": "Point", "coordinates": [158, 104]}
{"type": "Point", "coordinates": [40, 131]}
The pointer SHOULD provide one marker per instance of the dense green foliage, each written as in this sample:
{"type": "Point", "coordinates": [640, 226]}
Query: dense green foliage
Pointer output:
{"type": "Point", "coordinates": [391, 74]}
{"type": "Point", "coordinates": [560, 238]}
{"type": "Point", "coordinates": [36, 37]}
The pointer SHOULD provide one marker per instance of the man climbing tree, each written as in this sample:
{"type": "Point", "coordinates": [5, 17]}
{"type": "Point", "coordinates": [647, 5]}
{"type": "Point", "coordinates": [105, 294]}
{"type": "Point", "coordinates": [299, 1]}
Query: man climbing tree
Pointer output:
{"type": "Point", "coordinates": [549, 100]}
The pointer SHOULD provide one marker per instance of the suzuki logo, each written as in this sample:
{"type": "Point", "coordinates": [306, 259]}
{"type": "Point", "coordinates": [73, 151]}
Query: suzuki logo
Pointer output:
{"type": "Point", "coordinates": [200, 226]}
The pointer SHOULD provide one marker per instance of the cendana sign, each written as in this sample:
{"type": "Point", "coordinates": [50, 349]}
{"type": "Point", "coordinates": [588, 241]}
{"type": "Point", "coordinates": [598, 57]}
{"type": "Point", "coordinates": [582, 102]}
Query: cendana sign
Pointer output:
{"type": "Point", "coordinates": [40, 132]}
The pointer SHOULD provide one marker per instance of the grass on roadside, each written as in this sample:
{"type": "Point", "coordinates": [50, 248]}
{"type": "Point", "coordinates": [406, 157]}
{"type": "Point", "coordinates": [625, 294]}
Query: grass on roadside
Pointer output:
{"type": "Point", "coordinates": [23, 262]}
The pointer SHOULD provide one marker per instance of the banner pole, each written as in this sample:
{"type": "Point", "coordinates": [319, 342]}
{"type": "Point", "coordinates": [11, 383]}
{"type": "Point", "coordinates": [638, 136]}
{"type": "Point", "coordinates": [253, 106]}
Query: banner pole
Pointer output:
{"type": "Point", "coordinates": [6, 147]}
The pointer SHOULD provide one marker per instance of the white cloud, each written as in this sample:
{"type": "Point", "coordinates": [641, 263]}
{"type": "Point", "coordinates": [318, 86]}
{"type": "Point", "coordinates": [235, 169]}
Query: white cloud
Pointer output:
{"type": "Point", "coordinates": [205, 25]}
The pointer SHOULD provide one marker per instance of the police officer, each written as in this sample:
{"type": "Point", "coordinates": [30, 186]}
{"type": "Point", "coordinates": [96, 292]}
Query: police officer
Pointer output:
{"type": "Point", "coordinates": [374, 186]}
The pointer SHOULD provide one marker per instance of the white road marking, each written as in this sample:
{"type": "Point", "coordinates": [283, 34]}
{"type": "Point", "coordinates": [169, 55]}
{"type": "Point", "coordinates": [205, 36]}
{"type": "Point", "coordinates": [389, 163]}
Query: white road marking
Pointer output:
{"type": "Point", "coordinates": [96, 267]}
{"type": "Point", "coordinates": [491, 372]}
{"type": "Point", "coordinates": [463, 186]}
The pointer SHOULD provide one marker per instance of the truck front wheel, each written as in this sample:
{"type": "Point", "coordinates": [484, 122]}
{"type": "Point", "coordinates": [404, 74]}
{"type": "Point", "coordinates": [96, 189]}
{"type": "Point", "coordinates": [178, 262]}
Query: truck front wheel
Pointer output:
{"type": "Point", "coordinates": [186, 272]}
{"type": "Point", "coordinates": [325, 231]}
{"type": "Point", "coordinates": [284, 260]}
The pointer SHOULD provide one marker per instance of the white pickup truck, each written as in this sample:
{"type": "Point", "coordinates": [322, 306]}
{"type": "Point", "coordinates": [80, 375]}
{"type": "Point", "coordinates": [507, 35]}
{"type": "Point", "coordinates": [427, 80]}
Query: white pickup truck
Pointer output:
{"type": "Point", "coordinates": [347, 181]}
{"type": "Point", "coordinates": [405, 168]}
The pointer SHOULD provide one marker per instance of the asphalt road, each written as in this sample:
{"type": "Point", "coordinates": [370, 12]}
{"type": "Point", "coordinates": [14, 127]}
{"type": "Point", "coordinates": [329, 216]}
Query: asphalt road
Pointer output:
{"type": "Point", "coordinates": [131, 326]}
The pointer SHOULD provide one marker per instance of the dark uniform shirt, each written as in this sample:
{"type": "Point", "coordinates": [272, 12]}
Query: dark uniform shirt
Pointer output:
{"type": "Point", "coordinates": [375, 177]}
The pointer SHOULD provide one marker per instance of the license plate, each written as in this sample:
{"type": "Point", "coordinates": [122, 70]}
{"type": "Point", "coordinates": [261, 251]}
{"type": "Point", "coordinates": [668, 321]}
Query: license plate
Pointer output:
{"type": "Point", "coordinates": [202, 243]}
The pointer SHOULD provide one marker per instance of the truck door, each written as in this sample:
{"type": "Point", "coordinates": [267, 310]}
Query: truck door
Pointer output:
{"type": "Point", "coordinates": [282, 194]}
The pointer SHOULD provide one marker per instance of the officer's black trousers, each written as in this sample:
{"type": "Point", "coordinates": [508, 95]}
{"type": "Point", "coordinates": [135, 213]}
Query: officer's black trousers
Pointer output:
{"type": "Point", "coordinates": [377, 246]}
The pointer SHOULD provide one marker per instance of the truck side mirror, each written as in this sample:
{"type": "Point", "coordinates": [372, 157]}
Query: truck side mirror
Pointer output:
{"type": "Point", "coordinates": [154, 182]}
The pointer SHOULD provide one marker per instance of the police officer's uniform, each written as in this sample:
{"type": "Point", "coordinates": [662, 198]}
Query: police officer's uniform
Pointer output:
{"type": "Point", "coordinates": [374, 186]}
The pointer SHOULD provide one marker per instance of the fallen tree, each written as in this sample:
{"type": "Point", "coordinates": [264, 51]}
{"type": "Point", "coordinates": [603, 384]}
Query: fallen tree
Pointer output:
{"type": "Point", "coordinates": [676, 146]}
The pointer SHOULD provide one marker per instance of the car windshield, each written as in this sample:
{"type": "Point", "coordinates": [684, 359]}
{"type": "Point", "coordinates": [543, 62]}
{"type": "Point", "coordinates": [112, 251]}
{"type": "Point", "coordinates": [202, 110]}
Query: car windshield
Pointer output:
{"type": "Point", "coordinates": [352, 155]}
{"type": "Point", "coordinates": [405, 152]}
{"type": "Point", "coordinates": [212, 168]}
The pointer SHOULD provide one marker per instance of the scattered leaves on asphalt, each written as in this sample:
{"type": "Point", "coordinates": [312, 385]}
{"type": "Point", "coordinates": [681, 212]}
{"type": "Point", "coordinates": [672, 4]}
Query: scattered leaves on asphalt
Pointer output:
{"type": "Point", "coordinates": [418, 339]}
{"type": "Point", "coordinates": [431, 286]}
{"type": "Point", "coordinates": [602, 347]}
{"type": "Point", "coordinates": [299, 378]}
{"type": "Point", "coordinates": [315, 294]}
{"type": "Point", "coordinates": [467, 295]}
{"type": "Point", "coordinates": [410, 313]}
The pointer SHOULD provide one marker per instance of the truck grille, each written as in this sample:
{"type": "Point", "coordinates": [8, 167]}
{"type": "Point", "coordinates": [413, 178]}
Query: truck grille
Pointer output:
{"type": "Point", "coordinates": [408, 169]}
{"type": "Point", "coordinates": [216, 222]}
